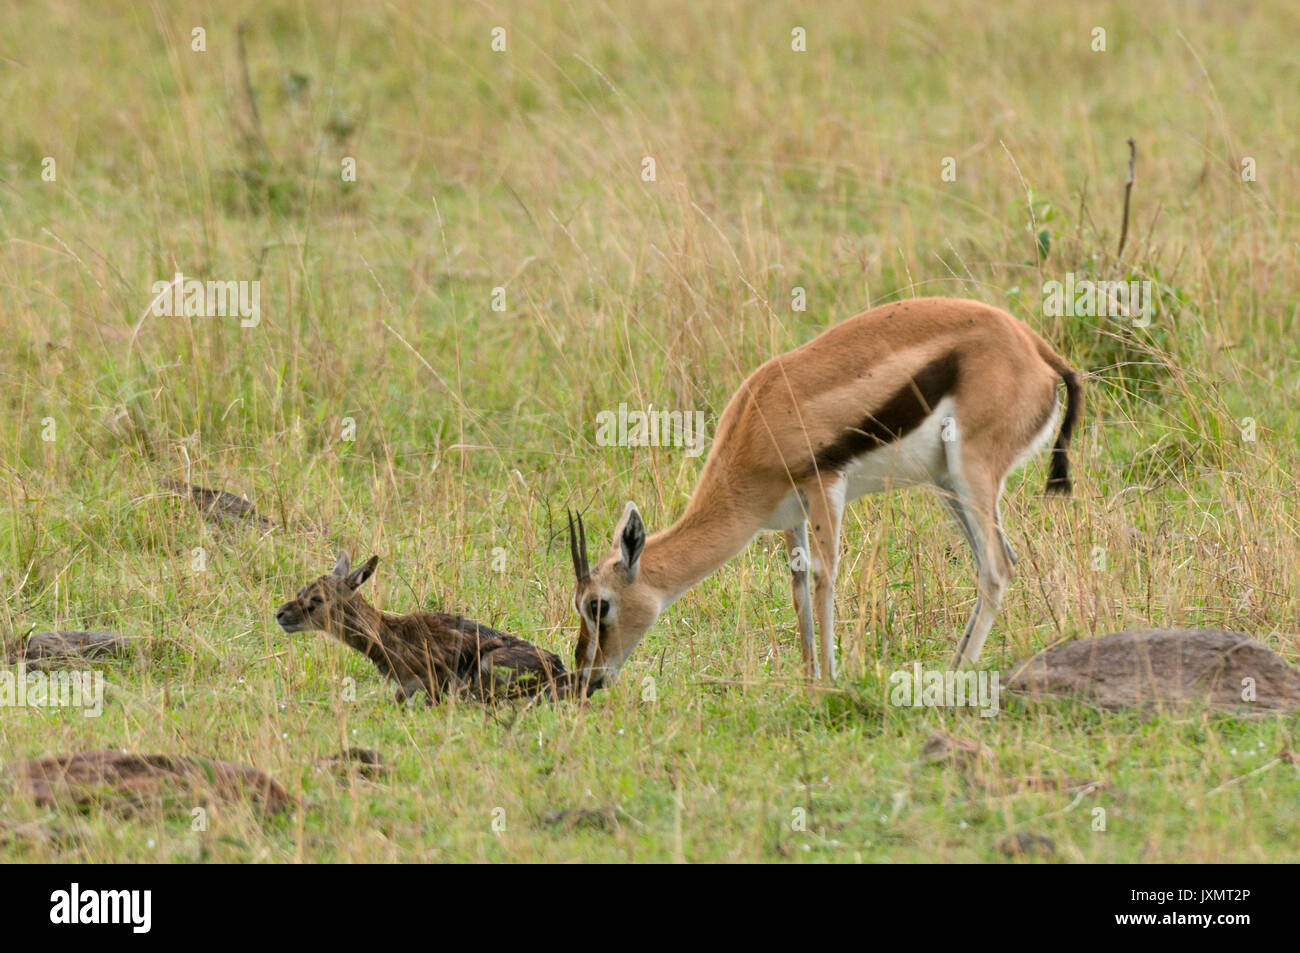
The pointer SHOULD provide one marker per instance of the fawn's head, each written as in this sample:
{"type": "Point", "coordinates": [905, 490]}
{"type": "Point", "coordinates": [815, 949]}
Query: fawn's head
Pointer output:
{"type": "Point", "coordinates": [615, 604]}
{"type": "Point", "coordinates": [326, 604]}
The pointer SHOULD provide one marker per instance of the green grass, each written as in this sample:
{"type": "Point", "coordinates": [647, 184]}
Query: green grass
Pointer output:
{"type": "Point", "coordinates": [475, 428]}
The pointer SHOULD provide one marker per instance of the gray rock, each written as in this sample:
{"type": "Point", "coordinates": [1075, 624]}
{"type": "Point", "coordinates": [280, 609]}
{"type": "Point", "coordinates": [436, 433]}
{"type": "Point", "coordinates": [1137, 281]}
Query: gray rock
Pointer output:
{"type": "Point", "coordinates": [1164, 667]}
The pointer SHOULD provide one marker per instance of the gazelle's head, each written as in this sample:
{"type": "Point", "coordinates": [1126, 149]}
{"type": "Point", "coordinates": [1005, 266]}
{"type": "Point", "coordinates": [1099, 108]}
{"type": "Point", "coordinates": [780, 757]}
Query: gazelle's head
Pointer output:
{"type": "Point", "coordinates": [327, 605]}
{"type": "Point", "coordinates": [615, 604]}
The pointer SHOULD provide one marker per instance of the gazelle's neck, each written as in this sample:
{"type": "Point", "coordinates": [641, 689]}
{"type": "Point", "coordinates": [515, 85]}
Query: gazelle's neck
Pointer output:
{"type": "Point", "coordinates": [715, 527]}
{"type": "Point", "coordinates": [359, 625]}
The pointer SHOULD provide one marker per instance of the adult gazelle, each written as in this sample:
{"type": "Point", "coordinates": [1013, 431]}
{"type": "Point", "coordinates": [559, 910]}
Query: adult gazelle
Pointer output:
{"type": "Point", "coordinates": [939, 392]}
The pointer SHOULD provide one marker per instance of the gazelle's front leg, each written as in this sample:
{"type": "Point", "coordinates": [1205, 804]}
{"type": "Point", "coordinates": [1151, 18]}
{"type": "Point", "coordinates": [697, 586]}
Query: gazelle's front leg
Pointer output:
{"type": "Point", "coordinates": [825, 511]}
{"type": "Point", "coordinates": [796, 548]}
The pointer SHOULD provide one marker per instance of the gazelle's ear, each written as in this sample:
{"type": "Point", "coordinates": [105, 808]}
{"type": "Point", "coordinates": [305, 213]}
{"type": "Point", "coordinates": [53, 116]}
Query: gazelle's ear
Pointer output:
{"type": "Point", "coordinates": [362, 573]}
{"type": "Point", "coordinates": [629, 537]}
{"type": "Point", "coordinates": [343, 566]}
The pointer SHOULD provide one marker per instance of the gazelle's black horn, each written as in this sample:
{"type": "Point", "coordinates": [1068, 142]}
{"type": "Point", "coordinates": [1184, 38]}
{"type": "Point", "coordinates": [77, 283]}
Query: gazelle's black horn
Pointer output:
{"type": "Point", "coordinates": [578, 549]}
{"type": "Point", "coordinates": [581, 544]}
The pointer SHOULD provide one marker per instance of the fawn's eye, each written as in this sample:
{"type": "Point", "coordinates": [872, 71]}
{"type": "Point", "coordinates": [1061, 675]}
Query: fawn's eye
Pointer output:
{"type": "Point", "coordinates": [314, 603]}
{"type": "Point", "coordinates": [598, 609]}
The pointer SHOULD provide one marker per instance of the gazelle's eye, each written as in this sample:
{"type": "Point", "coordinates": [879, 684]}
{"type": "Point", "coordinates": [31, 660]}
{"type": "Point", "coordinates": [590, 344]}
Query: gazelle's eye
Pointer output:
{"type": "Point", "coordinates": [598, 609]}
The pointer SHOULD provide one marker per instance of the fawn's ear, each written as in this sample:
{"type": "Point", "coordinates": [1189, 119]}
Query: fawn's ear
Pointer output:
{"type": "Point", "coordinates": [362, 573]}
{"type": "Point", "coordinates": [629, 537]}
{"type": "Point", "coordinates": [343, 566]}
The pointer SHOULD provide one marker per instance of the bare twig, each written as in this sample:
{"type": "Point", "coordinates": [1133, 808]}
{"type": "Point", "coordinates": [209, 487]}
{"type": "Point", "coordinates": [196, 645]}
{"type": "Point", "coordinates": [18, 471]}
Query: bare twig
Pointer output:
{"type": "Point", "coordinates": [1266, 766]}
{"type": "Point", "coordinates": [248, 87]}
{"type": "Point", "coordinates": [1128, 193]}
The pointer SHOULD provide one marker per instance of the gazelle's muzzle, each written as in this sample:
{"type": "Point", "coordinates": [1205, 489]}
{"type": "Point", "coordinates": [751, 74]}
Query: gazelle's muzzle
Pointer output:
{"type": "Point", "coordinates": [587, 670]}
{"type": "Point", "coordinates": [289, 617]}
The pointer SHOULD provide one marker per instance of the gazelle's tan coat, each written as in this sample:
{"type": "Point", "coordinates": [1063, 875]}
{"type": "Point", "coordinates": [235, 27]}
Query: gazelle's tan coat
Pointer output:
{"type": "Point", "coordinates": [946, 392]}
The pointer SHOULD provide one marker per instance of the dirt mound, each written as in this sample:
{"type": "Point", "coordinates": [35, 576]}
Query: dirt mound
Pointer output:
{"type": "Point", "coordinates": [130, 781]}
{"type": "Point", "coordinates": [1144, 667]}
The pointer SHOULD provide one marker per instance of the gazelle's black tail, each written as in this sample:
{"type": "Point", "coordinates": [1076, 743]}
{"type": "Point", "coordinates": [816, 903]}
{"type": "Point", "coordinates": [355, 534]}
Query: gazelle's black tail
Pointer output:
{"type": "Point", "coordinates": [1058, 473]}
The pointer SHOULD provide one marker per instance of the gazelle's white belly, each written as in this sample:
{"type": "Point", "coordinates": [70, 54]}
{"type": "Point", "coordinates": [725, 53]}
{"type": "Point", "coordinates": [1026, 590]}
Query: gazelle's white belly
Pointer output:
{"type": "Point", "coordinates": [916, 460]}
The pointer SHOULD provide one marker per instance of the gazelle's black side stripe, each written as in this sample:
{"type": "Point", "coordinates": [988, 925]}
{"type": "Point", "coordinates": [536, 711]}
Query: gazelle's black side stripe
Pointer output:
{"type": "Point", "coordinates": [894, 419]}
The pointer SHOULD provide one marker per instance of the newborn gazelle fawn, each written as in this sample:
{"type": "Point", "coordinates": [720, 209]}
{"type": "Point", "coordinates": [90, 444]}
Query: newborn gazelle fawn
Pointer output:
{"type": "Point", "coordinates": [428, 652]}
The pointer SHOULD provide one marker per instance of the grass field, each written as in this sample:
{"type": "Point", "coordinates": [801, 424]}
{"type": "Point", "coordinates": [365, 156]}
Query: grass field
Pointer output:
{"type": "Point", "coordinates": [392, 400]}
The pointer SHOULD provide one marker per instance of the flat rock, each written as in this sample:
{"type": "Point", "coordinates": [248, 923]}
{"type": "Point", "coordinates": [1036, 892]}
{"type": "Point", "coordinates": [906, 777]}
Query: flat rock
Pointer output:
{"type": "Point", "coordinates": [218, 506]}
{"type": "Point", "coordinates": [1054, 785]}
{"type": "Point", "coordinates": [72, 645]}
{"type": "Point", "coordinates": [365, 762]}
{"type": "Point", "coordinates": [124, 780]}
{"type": "Point", "coordinates": [1026, 844]}
{"type": "Point", "coordinates": [609, 818]}
{"type": "Point", "coordinates": [27, 832]}
{"type": "Point", "coordinates": [944, 748]}
{"type": "Point", "coordinates": [1164, 667]}
{"type": "Point", "coordinates": [977, 763]}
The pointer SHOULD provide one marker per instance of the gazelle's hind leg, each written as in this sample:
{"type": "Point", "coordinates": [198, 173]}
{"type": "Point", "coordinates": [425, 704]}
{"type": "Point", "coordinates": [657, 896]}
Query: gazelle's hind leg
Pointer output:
{"type": "Point", "coordinates": [1012, 558]}
{"type": "Point", "coordinates": [825, 511]}
{"type": "Point", "coordinates": [972, 489]}
{"type": "Point", "coordinates": [796, 548]}
{"type": "Point", "coordinates": [949, 495]}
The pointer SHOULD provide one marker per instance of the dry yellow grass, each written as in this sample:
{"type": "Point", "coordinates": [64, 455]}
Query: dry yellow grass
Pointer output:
{"type": "Point", "coordinates": [472, 429]}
